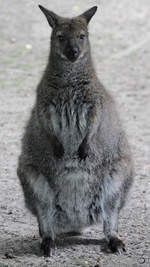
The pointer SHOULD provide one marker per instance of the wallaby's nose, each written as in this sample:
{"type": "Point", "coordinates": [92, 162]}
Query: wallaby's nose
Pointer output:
{"type": "Point", "coordinates": [75, 52]}
{"type": "Point", "coordinates": [72, 52]}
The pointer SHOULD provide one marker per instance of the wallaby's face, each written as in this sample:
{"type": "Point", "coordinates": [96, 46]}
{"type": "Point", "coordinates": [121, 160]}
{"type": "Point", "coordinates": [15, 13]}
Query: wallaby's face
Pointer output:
{"type": "Point", "coordinates": [69, 39]}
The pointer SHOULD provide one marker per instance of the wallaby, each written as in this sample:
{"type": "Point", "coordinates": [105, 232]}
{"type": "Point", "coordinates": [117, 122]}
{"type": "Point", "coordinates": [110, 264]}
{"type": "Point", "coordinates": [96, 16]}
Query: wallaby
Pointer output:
{"type": "Point", "coordinates": [75, 167]}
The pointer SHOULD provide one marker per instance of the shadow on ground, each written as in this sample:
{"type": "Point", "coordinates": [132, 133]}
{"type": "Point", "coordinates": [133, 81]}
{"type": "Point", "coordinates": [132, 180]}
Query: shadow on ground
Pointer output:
{"type": "Point", "coordinates": [19, 246]}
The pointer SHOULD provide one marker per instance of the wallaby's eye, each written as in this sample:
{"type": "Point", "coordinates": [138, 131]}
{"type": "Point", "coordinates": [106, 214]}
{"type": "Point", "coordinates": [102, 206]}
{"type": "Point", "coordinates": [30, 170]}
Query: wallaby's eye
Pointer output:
{"type": "Point", "coordinates": [60, 37]}
{"type": "Point", "coordinates": [82, 37]}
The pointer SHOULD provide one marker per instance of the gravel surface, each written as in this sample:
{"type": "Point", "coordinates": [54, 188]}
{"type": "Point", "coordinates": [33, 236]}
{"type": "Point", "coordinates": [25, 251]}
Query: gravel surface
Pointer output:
{"type": "Point", "coordinates": [120, 37]}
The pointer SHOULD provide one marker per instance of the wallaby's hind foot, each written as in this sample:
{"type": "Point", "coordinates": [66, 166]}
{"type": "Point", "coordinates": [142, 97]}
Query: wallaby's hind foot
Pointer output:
{"type": "Point", "coordinates": [116, 245]}
{"type": "Point", "coordinates": [48, 246]}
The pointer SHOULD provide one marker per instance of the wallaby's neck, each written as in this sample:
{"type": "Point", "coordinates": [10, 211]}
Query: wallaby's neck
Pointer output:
{"type": "Point", "coordinates": [66, 71]}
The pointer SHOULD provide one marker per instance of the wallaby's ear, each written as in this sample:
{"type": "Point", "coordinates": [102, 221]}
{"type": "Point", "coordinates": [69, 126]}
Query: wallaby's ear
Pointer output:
{"type": "Point", "coordinates": [89, 14]}
{"type": "Point", "coordinates": [51, 16]}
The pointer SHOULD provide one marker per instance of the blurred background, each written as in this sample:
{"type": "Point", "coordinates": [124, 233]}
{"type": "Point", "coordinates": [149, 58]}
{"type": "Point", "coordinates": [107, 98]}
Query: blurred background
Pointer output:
{"type": "Point", "coordinates": [120, 45]}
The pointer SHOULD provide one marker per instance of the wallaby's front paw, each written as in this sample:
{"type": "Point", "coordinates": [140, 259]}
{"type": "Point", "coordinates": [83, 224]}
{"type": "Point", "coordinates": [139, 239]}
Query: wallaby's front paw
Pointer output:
{"type": "Point", "coordinates": [58, 149]}
{"type": "Point", "coordinates": [116, 245]}
{"type": "Point", "coordinates": [83, 151]}
{"type": "Point", "coordinates": [48, 246]}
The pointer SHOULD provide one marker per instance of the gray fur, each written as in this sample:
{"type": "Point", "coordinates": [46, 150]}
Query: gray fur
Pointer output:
{"type": "Point", "coordinates": [75, 167]}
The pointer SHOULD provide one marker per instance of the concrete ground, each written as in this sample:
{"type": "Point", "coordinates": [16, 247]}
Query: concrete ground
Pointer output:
{"type": "Point", "coordinates": [120, 40]}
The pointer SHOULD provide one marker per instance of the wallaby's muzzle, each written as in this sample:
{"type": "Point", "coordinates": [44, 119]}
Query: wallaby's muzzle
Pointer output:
{"type": "Point", "coordinates": [72, 52]}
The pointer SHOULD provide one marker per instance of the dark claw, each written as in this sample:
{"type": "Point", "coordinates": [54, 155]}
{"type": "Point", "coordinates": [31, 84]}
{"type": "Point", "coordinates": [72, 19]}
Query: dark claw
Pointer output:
{"type": "Point", "coordinates": [83, 151]}
{"type": "Point", "coordinates": [48, 247]}
{"type": "Point", "coordinates": [58, 149]}
{"type": "Point", "coordinates": [116, 245]}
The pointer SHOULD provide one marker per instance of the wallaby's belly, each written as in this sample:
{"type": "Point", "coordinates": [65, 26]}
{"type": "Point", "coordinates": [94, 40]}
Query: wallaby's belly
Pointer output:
{"type": "Point", "coordinates": [74, 198]}
{"type": "Point", "coordinates": [69, 123]}
{"type": "Point", "coordinates": [76, 204]}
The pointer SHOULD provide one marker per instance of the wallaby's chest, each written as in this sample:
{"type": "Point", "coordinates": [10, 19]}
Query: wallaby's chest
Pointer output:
{"type": "Point", "coordinates": [69, 119]}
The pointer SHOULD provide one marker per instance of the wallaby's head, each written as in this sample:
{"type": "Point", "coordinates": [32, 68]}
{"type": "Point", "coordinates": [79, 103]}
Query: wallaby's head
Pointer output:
{"type": "Point", "coordinates": [69, 39]}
